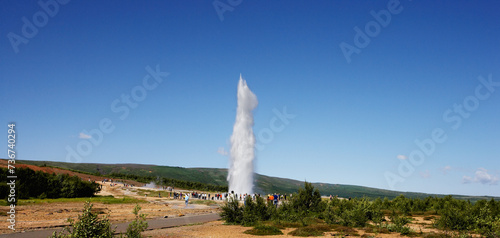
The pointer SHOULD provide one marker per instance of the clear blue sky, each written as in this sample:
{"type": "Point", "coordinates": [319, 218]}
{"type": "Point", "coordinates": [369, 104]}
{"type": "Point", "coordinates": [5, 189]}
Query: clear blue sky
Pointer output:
{"type": "Point", "coordinates": [355, 121]}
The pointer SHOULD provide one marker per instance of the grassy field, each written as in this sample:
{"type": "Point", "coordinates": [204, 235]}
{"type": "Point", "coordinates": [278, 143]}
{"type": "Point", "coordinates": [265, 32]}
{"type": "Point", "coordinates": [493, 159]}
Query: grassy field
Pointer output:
{"type": "Point", "coordinates": [101, 199]}
{"type": "Point", "coordinates": [203, 202]}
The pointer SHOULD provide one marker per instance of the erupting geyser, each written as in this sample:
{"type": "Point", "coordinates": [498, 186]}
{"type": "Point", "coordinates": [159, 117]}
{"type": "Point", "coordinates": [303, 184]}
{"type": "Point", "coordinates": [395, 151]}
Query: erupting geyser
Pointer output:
{"type": "Point", "coordinates": [240, 175]}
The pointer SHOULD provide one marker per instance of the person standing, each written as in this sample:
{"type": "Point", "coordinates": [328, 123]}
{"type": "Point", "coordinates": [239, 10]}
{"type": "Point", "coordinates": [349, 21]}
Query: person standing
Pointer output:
{"type": "Point", "coordinates": [186, 199]}
{"type": "Point", "coordinates": [232, 196]}
{"type": "Point", "coordinates": [275, 198]}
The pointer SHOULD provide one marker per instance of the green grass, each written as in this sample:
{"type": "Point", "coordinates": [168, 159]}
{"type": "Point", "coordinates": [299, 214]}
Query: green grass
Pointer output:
{"type": "Point", "coordinates": [285, 224]}
{"type": "Point", "coordinates": [151, 193]}
{"type": "Point", "coordinates": [102, 199]}
{"type": "Point", "coordinates": [264, 230]}
{"type": "Point", "coordinates": [311, 230]}
{"type": "Point", "coordinates": [141, 192]}
{"type": "Point", "coordinates": [204, 202]}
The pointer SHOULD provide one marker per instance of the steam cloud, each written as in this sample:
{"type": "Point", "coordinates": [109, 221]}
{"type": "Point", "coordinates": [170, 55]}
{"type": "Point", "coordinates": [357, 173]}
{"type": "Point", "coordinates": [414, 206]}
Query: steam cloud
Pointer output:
{"type": "Point", "coordinates": [240, 175]}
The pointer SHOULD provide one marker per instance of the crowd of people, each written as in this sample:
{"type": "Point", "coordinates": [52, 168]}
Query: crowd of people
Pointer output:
{"type": "Point", "coordinates": [274, 198]}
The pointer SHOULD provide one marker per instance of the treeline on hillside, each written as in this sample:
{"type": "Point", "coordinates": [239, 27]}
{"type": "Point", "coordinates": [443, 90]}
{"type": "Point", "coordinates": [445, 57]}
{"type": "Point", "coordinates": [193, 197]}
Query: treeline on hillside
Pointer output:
{"type": "Point", "coordinates": [193, 185]}
{"type": "Point", "coordinates": [38, 184]}
{"type": "Point", "coordinates": [176, 183]}
{"type": "Point", "coordinates": [482, 217]}
{"type": "Point", "coordinates": [138, 178]}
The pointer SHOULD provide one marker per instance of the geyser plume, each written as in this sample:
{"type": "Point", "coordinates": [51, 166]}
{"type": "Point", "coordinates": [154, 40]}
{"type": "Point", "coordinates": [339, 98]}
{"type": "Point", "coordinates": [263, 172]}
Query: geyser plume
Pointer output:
{"type": "Point", "coordinates": [242, 154]}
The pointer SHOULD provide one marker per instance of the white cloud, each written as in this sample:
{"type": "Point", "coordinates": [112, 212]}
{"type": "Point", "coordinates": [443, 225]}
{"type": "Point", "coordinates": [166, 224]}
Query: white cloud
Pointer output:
{"type": "Point", "coordinates": [445, 169]}
{"type": "Point", "coordinates": [84, 136]}
{"type": "Point", "coordinates": [222, 151]}
{"type": "Point", "coordinates": [425, 174]}
{"type": "Point", "coordinates": [402, 157]}
{"type": "Point", "coordinates": [467, 179]}
{"type": "Point", "coordinates": [481, 176]}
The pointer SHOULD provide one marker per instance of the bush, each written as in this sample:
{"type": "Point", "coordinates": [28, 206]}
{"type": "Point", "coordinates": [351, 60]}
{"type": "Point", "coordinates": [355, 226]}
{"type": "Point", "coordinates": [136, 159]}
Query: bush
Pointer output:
{"type": "Point", "coordinates": [232, 213]}
{"type": "Point", "coordinates": [137, 226]}
{"type": "Point", "coordinates": [38, 184]}
{"type": "Point", "coordinates": [306, 208]}
{"type": "Point", "coordinates": [402, 204]}
{"type": "Point", "coordinates": [399, 224]}
{"type": "Point", "coordinates": [88, 225]}
{"type": "Point", "coordinates": [355, 213]}
{"type": "Point", "coordinates": [250, 216]}
{"type": "Point", "coordinates": [455, 219]}
{"type": "Point", "coordinates": [308, 199]}
{"type": "Point", "coordinates": [286, 212]}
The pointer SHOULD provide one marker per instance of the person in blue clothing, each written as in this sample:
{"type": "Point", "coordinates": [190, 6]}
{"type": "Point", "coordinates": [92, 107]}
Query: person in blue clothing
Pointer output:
{"type": "Point", "coordinates": [275, 196]}
{"type": "Point", "coordinates": [186, 199]}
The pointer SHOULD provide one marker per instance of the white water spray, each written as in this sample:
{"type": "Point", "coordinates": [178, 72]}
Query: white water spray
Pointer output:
{"type": "Point", "coordinates": [240, 175]}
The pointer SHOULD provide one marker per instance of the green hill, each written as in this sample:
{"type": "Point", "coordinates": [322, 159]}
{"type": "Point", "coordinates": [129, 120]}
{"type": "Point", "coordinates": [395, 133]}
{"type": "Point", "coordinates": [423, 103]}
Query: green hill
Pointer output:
{"type": "Point", "coordinates": [263, 184]}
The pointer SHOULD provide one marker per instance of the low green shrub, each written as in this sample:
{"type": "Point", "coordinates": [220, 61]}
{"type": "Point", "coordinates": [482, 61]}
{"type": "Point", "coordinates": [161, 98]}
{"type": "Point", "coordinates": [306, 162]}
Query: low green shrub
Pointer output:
{"type": "Point", "coordinates": [311, 230]}
{"type": "Point", "coordinates": [138, 225]}
{"type": "Point", "coordinates": [345, 230]}
{"type": "Point", "coordinates": [399, 224]}
{"type": "Point", "coordinates": [354, 213]}
{"type": "Point", "coordinates": [264, 230]}
{"type": "Point", "coordinates": [232, 213]}
{"type": "Point", "coordinates": [88, 225]}
{"type": "Point", "coordinates": [286, 224]}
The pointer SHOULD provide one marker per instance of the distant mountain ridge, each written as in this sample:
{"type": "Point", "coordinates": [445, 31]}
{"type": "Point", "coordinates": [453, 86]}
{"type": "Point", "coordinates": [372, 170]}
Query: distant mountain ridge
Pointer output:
{"type": "Point", "coordinates": [263, 184]}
